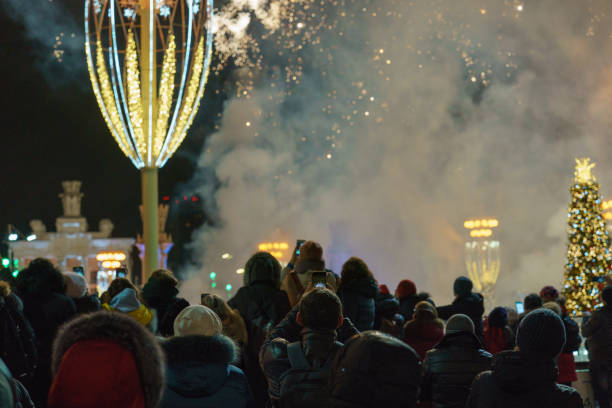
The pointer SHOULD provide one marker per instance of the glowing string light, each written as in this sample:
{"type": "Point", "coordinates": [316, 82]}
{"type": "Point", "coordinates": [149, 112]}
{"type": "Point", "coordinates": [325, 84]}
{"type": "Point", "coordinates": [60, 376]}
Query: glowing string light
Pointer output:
{"type": "Point", "coordinates": [166, 93]}
{"type": "Point", "coordinates": [134, 96]}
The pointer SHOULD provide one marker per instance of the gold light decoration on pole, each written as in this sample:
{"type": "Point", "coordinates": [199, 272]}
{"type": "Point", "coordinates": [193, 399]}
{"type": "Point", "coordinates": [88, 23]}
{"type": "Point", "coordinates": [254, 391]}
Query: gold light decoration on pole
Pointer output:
{"type": "Point", "coordinates": [148, 62]}
{"type": "Point", "coordinates": [482, 257]}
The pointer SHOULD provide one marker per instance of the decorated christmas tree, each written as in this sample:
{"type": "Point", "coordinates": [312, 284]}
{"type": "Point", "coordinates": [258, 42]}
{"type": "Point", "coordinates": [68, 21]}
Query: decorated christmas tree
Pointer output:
{"type": "Point", "coordinates": [588, 253]}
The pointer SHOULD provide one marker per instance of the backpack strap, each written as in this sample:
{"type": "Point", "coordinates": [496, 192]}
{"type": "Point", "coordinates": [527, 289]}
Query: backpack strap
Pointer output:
{"type": "Point", "coordinates": [297, 359]}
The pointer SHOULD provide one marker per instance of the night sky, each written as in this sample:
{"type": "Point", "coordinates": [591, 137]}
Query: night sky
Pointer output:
{"type": "Point", "coordinates": [52, 130]}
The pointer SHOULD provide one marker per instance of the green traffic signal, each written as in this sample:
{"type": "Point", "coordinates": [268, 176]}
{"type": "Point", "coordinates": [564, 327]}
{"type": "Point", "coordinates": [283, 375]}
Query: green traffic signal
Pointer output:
{"type": "Point", "coordinates": [214, 285]}
{"type": "Point", "coordinates": [228, 287]}
{"type": "Point", "coordinates": [213, 275]}
{"type": "Point", "coordinates": [6, 262]}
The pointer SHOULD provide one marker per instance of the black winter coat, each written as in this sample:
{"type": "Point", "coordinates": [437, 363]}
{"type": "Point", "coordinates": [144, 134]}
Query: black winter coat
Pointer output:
{"type": "Point", "coordinates": [598, 331]}
{"type": "Point", "coordinates": [515, 383]}
{"type": "Point", "coordinates": [46, 314]}
{"type": "Point", "coordinates": [17, 340]}
{"type": "Point", "coordinates": [408, 303]}
{"type": "Point", "coordinates": [358, 302]}
{"type": "Point", "coordinates": [262, 306]}
{"type": "Point", "coordinates": [572, 335]}
{"type": "Point", "coordinates": [450, 369]}
{"type": "Point", "coordinates": [471, 305]}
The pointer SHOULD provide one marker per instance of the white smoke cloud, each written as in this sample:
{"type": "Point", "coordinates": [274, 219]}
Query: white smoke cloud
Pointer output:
{"type": "Point", "coordinates": [479, 111]}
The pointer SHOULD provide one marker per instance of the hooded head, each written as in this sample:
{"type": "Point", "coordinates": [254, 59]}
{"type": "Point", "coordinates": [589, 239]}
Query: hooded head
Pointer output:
{"type": "Point", "coordinates": [384, 289]}
{"type": "Point", "coordinates": [462, 287]}
{"type": "Point", "coordinates": [160, 289]}
{"type": "Point", "coordinates": [262, 267]}
{"type": "Point", "coordinates": [405, 288]}
{"type": "Point", "coordinates": [40, 278]}
{"type": "Point", "coordinates": [76, 285]}
{"type": "Point", "coordinates": [541, 335]}
{"type": "Point", "coordinates": [364, 372]}
{"type": "Point", "coordinates": [197, 320]}
{"type": "Point", "coordinates": [355, 269]}
{"type": "Point", "coordinates": [106, 360]}
{"type": "Point", "coordinates": [498, 317]}
{"type": "Point", "coordinates": [310, 258]}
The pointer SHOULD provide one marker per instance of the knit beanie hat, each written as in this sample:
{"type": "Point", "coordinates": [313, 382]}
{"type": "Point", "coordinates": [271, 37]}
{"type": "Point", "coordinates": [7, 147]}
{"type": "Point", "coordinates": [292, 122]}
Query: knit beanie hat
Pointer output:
{"type": "Point", "coordinates": [606, 295]}
{"type": "Point", "coordinates": [462, 286]}
{"type": "Point", "coordinates": [541, 335]}
{"type": "Point", "coordinates": [498, 317]}
{"type": "Point", "coordinates": [384, 289]}
{"type": "Point", "coordinates": [549, 293]}
{"type": "Point", "coordinates": [459, 323]}
{"type": "Point", "coordinates": [310, 258]}
{"type": "Point", "coordinates": [262, 267]}
{"type": "Point", "coordinates": [197, 320]}
{"type": "Point", "coordinates": [76, 285]}
{"type": "Point", "coordinates": [405, 288]}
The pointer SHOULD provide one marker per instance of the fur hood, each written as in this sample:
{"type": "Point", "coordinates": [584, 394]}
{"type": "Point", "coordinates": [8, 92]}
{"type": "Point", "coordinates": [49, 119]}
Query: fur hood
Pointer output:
{"type": "Point", "coordinates": [218, 349]}
{"type": "Point", "coordinates": [126, 332]}
{"type": "Point", "coordinates": [198, 367]}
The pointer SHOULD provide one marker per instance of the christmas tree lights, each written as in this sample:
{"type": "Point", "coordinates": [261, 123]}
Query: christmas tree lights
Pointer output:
{"type": "Point", "coordinates": [588, 253]}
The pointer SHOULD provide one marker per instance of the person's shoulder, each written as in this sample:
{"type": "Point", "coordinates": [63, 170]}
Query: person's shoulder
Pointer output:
{"type": "Point", "coordinates": [568, 395]}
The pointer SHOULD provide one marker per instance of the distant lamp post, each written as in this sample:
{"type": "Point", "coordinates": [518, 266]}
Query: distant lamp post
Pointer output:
{"type": "Point", "coordinates": [148, 62]}
{"type": "Point", "coordinates": [482, 257]}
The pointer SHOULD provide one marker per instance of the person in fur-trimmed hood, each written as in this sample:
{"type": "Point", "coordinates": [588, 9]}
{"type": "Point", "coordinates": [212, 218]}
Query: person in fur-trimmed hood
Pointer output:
{"type": "Point", "coordinates": [106, 359]}
{"type": "Point", "coordinates": [200, 371]}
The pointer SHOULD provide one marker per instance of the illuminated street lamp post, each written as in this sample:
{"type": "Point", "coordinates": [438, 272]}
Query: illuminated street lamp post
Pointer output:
{"type": "Point", "coordinates": [482, 257]}
{"type": "Point", "coordinates": [148, 62]}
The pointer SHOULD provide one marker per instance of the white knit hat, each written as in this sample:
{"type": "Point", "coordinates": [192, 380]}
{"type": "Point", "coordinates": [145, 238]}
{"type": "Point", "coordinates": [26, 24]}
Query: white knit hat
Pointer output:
{"type": "Point", "coordinates": [197, 320]}
{"type": "Point", "coordinates": [76, 285]}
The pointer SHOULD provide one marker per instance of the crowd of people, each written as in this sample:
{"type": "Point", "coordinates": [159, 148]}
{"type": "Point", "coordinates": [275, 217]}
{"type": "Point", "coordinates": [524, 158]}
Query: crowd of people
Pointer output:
{"type": "Point", "coordinates": [288, 339]}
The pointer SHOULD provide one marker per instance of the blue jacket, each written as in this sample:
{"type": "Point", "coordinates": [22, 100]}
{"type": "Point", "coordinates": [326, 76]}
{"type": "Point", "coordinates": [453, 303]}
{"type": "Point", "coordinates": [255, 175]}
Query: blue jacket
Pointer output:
{"type": "Point", "coordinates": [199, 374]}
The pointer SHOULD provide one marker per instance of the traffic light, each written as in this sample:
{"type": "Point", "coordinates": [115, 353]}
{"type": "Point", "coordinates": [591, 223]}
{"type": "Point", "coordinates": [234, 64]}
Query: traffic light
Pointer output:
{"type": "Point", "coordinates": [6, 262]}
{"type": "Point", "coordinates": [228, 287]}
{"type": "Point", "coordinates": [213, 275]}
